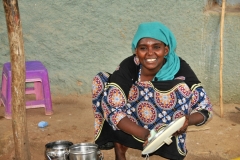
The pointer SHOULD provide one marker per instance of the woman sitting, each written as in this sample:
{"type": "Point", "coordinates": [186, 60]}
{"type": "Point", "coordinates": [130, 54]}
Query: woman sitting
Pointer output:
{"type": "Point", "coordinates": [147, 91]}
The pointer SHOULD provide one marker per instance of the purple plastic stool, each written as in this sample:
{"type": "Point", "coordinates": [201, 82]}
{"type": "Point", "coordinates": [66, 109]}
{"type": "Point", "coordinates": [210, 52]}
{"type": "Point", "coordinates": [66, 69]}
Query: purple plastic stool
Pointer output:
{"type": "Point", "coordinates": [36, 73]}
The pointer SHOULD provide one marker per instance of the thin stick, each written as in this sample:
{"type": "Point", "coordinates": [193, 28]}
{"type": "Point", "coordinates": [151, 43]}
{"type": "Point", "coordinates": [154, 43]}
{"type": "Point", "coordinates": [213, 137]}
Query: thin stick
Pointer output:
{"type": "Point", "coordinates": [237, 108]}
{"type": "Point", "coordinates": [197, 129]}
{"type": "Point", "coordinates": [221, 57]}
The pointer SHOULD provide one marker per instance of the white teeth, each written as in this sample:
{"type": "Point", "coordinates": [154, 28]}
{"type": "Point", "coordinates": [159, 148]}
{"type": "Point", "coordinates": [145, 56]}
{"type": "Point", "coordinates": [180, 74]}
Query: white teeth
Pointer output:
{"type": "Point", "coordinates": [150, 60]}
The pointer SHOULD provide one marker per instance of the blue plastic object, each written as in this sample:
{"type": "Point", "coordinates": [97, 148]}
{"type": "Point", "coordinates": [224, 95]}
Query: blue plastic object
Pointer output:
{"type": "Point", "coordinates": [42, 124]}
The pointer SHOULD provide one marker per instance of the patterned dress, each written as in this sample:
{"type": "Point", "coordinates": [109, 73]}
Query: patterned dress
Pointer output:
{"type": "Point", "coordinates": [150, 104]}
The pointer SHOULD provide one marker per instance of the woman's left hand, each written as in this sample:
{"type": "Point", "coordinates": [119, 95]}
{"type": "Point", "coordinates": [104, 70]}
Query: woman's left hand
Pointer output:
{"type": "Point", "coordinates": [183, 129]}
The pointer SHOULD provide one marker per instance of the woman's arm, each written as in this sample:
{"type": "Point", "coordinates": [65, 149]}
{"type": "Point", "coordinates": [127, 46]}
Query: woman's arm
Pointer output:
{"type": "Point", "coordinates": [201, 110]}
{"type": "Point", "coordinates": [195, 118]}
{"type": "Point", "coordinates": [132, 128]}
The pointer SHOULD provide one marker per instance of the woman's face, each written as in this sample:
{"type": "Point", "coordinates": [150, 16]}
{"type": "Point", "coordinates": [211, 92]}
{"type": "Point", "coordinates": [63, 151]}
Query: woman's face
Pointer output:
{"type": "Point", "coordinates": [151, 53]}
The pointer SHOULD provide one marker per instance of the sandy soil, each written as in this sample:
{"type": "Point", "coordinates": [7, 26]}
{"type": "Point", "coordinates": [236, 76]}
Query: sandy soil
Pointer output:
{"type": "Point", "coordinates": [73, 121]}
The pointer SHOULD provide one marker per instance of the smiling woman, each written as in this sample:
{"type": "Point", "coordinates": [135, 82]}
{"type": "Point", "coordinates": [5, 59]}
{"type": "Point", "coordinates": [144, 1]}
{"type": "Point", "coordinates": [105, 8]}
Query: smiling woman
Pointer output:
{"type": "Point", "coordinates": [148, 91]}
{"type": "Point", "coordinates": [150, 53]}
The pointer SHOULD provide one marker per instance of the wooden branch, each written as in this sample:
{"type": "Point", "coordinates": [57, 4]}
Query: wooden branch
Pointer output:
{"type": "Point", "coordinates": [221, 58]}
{"type": "Point", "coordinates": [18, 104]}
{"type": "Point", "coordinates": [197, 129]}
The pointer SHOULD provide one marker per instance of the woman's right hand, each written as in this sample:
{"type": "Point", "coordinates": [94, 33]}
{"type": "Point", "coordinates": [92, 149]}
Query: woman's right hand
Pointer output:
{"type": "Point", "coordinates": [145, 143]}
{"type": "Point", "coordinates": [132, 128]}
{"type": "Point", "coordinates": [152, 133]}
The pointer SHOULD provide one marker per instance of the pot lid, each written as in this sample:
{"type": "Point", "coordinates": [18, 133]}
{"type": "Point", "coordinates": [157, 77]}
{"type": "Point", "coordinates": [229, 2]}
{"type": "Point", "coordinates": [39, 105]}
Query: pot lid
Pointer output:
{"type": "Point", "coordinates": [163, 136]}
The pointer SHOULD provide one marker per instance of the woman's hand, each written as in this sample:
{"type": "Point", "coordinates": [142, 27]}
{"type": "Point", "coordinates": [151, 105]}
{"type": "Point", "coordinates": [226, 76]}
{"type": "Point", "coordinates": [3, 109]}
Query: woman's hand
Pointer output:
{"type": "Point", "coordinates": [146, 141]}
{"type": "Point", "coordinates": [192, 119]}
{"type": "Point", "coordinates": [183, 129]}
{"type": "Point", "coordinates": [151, 135]}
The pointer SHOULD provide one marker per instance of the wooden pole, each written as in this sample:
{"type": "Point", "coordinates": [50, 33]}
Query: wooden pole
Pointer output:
{"type": "Point", "coordinates": [221, 57]}
{"type": "Point", "coordinates": [15, 38]}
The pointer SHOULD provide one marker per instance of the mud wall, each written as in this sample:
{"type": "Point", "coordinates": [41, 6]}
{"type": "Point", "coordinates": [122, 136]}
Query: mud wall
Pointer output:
{"type": "Point", "coordinates": [77, 39]}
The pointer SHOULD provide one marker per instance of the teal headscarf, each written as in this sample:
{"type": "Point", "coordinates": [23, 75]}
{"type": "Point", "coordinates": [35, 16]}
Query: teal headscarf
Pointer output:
{"type": "Point", "coordinates": [160, 32]}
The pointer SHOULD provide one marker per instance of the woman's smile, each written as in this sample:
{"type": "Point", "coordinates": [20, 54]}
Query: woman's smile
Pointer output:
{"type": "Point", "coordinates": [151, 59]}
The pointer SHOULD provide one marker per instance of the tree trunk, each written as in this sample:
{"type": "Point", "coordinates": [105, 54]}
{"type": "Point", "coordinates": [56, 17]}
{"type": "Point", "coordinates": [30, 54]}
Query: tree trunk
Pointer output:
{"type": "Point", "coordinates": [15, 37]}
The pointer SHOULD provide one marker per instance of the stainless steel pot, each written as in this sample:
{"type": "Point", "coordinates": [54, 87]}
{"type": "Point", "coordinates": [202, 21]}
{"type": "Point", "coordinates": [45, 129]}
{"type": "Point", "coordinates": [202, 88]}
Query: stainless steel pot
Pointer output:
{"type": "Point", "coordinates": [58, 150]}
{"type": "Point", "coordinates": [85, 151]}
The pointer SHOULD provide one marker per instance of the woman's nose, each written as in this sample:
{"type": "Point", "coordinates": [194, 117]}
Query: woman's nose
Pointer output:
{"type": "Point", "coordinates": [150, 51]}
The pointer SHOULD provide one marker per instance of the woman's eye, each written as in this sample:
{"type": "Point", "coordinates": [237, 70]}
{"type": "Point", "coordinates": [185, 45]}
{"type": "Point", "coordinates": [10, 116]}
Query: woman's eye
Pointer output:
{"type": "Point", "coordinates": [156, 47]}
{"type": "Point", "coordinates": [143, 48]}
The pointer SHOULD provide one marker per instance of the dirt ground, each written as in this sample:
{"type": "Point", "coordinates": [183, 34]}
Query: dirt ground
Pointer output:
{"type": "Point", "coordinates": [73, 121]}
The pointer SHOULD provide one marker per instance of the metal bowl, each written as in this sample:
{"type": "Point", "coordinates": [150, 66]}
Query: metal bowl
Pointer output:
{"type": "Point", "coordinates": [85, 151]}
{"type": "Point", "coordinates": [58, 150]}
